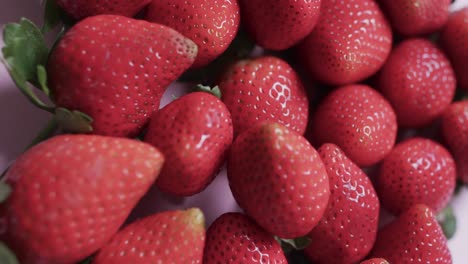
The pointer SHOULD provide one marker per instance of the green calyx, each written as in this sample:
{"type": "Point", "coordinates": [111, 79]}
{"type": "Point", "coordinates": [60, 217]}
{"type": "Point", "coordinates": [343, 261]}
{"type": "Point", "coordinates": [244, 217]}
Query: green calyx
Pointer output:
{"type": "Point", "coordinates": [5, 191]}
{"type": "Point", "coordinates": [6, 256]}
{"type": "Point", "coordinates": [207, 89]}
{"type": "Point", "coordinates": [448, 222]}
{"type": "Point", "coordinates": [289, 245]}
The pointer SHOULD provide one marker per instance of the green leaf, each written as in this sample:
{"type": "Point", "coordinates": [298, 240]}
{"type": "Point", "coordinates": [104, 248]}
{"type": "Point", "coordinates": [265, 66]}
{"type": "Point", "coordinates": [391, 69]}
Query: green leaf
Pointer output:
{"type": "Point", "coordinates": [6, 256]}
{"type": "Point", "coordinates": [52, 16]}
{"type": "Point", "coordinates": [5, 191]}
{"type": "Point", "coordinates": [73, 121]}
{"type": "Point", "coordinates": [207, 89]}
{"type": "Point", "coordinates": [42, 79]}
{"type": "Point", "coordinates": [298, 243]}
{"type": "Point", "coordinates": [448, 222]}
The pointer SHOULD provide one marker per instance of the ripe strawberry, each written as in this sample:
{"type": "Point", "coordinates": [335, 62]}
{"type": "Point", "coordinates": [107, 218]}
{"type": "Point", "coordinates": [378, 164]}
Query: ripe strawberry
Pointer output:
{"type": "Point", "coordinates": [193, 132]}
{"type": "Point", "coordinates": [416, 171]}
{"type": "Point", "coordinates": [455, 132]}
{"type": "Point", "coordinates": [350, 42]}
{"type": "Point", "coordinates": [211, 24]}
{"type": "Point", "coordinates": [235, 238]}
{"type": "Point", "coordinates": [347, 230]}
{"type": "Point", "coordinates": [280, 24]}
{"type": "Point", "coordinates": [357, 119]}
{"type": "Point", "coordinates": [79, 9]}
{"type": "Point", "coordinates": [166, 237]}
{"type": "Point", "coordinates": [375, 261]}
{"type": "Point", "coordinates": [71, 193]}
{"type": "Point", "coordinates": [277, 177]}
{"type": "Point", "coordinates": [454, 42]}
{"type": "Point", "coordinates": [264, 89]}
{"type": "Point", "coordinates": [414, 237]}
{"type": "Point", "coordinates": [115, 69]}
{"type": "Point", "coordinates": [418, 81]}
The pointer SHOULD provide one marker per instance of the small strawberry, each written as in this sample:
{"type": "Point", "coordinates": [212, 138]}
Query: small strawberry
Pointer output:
{"type": "Point", "coordinates": [235, 238]}
{"type": "Point", "coordinates": [414, 237]}
{"type": "Point", "coordinates": [280, 24]}
{"type": "Point", "coordinates": [115, 69]}
{"type": "Point", "coordinates": [211, 24]}
{"type": "Point", "coordinates": [416, 171]}
{"type": "Point", "coordinates": [350, 42]}
{"type": "Point", "coordinates": [79, 9]}
{"type": "Point", "coordinates": [193, 132]}
{"type": "Point", "coordinates": [375, 261]}
{"type": "Point", "coordinates": [455, 132]}
{"type": "Point", "coordinates": [264, 89]}
{"type": "Point", "coordinates": [277, 177]}
{"type": "Point", "coordinates": [71, 193]}
{"type": "Point", "coordinates": [357, 119]}
{"type": "Point", "coordinates": [418, 81]}
{"type": "Point", "coordinates": [166, 237]}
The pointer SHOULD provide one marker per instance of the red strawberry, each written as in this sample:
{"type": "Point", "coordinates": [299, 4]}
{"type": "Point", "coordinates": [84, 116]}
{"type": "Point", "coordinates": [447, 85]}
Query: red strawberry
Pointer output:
{"type": "Point", "coordinates": [414, 237]}
{"type": "Point", "coordinates": [211, 24]}
{"type": "Point", "coordinates": [279, 24]}
{"type": "Point", "coordinates": [71, 193]}
{"type": "Point", "coordinates": [454, 42]}
{"type": "Point", "coordinates": [357, 119]}
{"type": "Point", "coordinates": [115, 69]}
{"type": "Point", "coordinates": [416, 171]}
{"type": "Point", "coordinates": [347, 230]}
{"type": "Point", "coordinates": [193, 132]}
{"type": "Point", "coordinates": [79, 9]}
{"type": "Point", "coordinates": [418, 81]}
{"type": "Point", "coordinates": [350, 42]}
{"type": "Point", "coordinates": [166, 237]}
{"type": "Point", "coordinates": [455, 133]}
{"type": "Point", "coordinates": [264, 89]}
{"type": "Point", "coordinates": [234, 238]}
{"type": "Point", "coordinates": [375, 261]}
{"type": "Point", "coordinates": [277, 177]}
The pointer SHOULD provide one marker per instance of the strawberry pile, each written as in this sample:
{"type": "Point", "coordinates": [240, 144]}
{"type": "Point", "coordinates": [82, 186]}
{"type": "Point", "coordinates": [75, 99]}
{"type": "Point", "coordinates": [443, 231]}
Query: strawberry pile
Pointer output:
{"type": "Point", "coordinates": [326, 113]}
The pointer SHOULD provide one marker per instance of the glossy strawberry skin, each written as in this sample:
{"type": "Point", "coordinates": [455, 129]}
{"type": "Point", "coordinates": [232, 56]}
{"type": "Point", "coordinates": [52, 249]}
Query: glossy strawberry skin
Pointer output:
{"type": "Point", "coordinates": [357, 119]}
{"type": "Point", "coordinates": [416, 171]}
{"type": "Point", "coordinates": [347, 230]}
{"type": "Point", "coordinates": [275, 25]}
{"type": "Point", "coordinates": [165, 237]}
{"type": "Point", "coordinates": [79, 9]}
{"type": "Point", "coordinates": [418, 81]}
{"type": "Point", "coordinates": [414, 235]}
{"type": "Point", "coordinates": [264, 89]}
{"type": "Point", "coordinates": [211, 24]}
{"type": "Point", "coordinates": [351, 41]}
{"type": "Point", "coordinates": [116, 69]}
{"type": "Point", "coordinates": [454, 126]}
{"type": "Point", "coordinates": [235, 238]}
{"type": "Point", "coordinates": [71, 193]}
{"type": "Point", "coordinates": [277, 177]}
{"type": "Point", "coordinates": [375, 261]}
{"type": "Point", "coordinates": [194, 132]}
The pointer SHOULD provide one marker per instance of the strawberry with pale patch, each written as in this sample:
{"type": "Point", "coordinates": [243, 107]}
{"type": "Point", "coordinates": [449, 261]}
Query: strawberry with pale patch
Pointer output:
{"type": "Point", "coordinates": [375, 261]}
{"type": "Point", "coordinates": [79, 9]}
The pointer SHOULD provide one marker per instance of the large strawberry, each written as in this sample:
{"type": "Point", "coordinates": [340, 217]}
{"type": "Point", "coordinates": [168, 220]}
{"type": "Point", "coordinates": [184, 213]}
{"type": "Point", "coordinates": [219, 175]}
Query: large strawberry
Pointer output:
{"type": "Point", "coordinates": [375, 261]}
{"type": "Point", "coordinates": [277, 177]}
{"type": "Point", "coordinates": [350, 42]}
{"type": "Point", "coordinates": [418, 81]}
{"type": "Point", "coordinates": [264, 89]}
{"type": "Point", "coordinates": [84, 8]}
{"type": "Point", "coordinates": [414, 237]}
{"type": "Point", "coordinates": [347, 230]}
{"type": "Point", "coordinates": [235, 238]}
{"type": "Point", "coordinates": [166, 237]}
{"type": "Point", "coordinates": [193, 132]}
{"type": "Point", "coordinates": [211, 24]}
{"type": "Point", "coordinates": [71, 193]}
{"type": "Point", "coordinates": [416, 171]}
{"type": "Point", "coordinates": [279, 24]}
{"type": "Point", "coordinates": [115, 69]}
{"type": "Point", "coordinates": [357, 119]}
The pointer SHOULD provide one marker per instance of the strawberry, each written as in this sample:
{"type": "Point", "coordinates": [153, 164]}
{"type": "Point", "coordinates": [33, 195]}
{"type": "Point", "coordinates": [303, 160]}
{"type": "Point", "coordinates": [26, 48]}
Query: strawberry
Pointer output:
{"type": "Point", "coordinates": [71, 193]}
{"type": "Point", "coordinates": [455, 132]}
{"type": "Point", "coordinates": [264, 89]}
{"type": "Point", "coordinates": [375, 261]}
{"type": "Point", "coordinates": [454, 42]}
{"type": "Point", "coordinates": [277, 177]}
{"type": "Point", "coordinates": [166, 237]}
{"type": "Point", "coordinates": [193, 132]}
{"type": "Point", "coordinates": [347, 230]}
{"type": "Point", "coordinates": [416, 17]}
{"type": "Point", "coordinates": [211, 24]}
{"type": "Point", "coordinates": [414, 237]}
{"type": "Point", "coordinates": [115, 69]}
{"type": "Point", "coordinates": [280, 24]}
{"type": "Point", "coordinates": [235, 238]}
{"type": "Point", "coordinates": [357, 119]}
{"type": "Point", "coordinates": [418, 81]}
{"type": "Point", "coordinates": [79, 9]}
{"type": "Point", "coordinates": [416, 171]}
{"type": "Point", "coordinates": [351, 41]}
